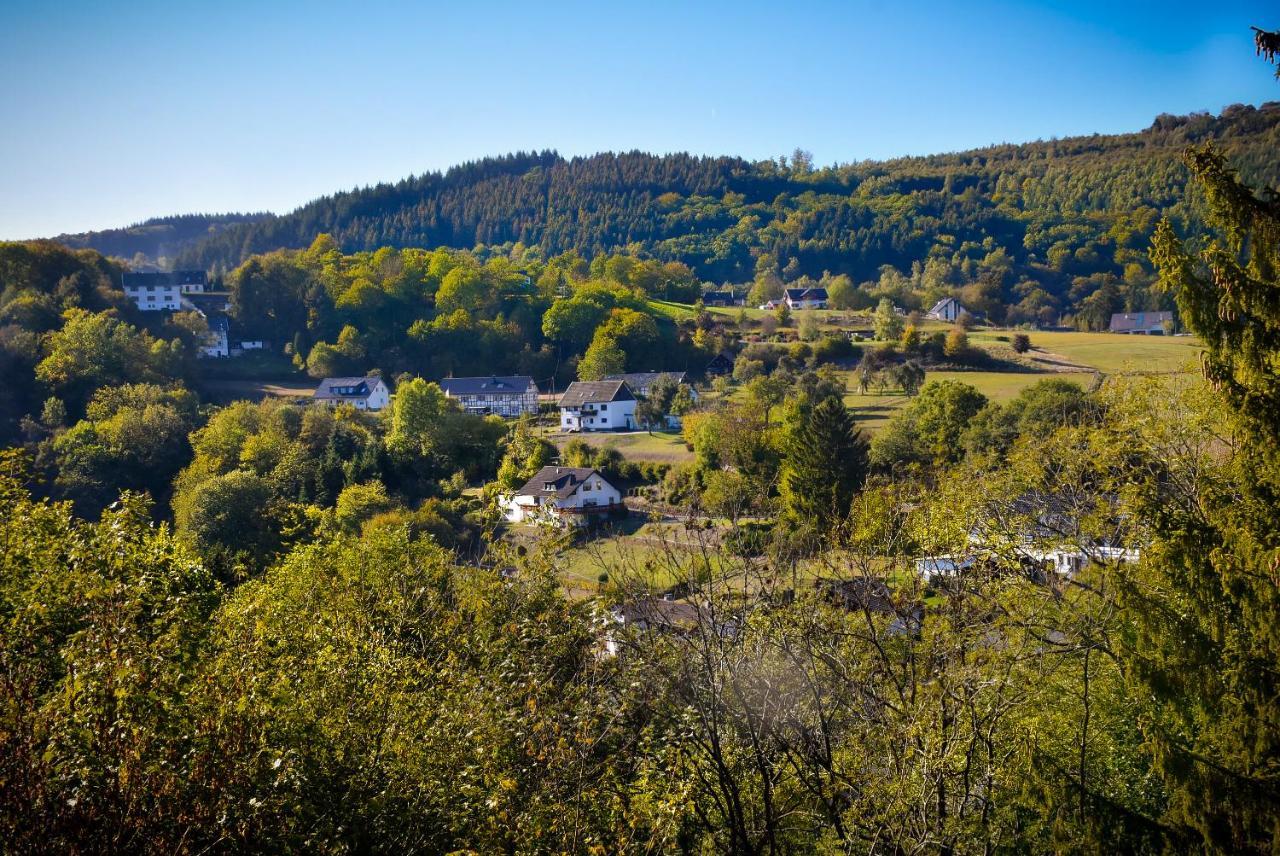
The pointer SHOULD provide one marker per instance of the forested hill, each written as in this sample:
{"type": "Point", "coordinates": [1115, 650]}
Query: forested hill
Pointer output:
{"type": "Point", "coordinates": [720, 215]}
{"type": "Point", "coordinates": [158, 240]}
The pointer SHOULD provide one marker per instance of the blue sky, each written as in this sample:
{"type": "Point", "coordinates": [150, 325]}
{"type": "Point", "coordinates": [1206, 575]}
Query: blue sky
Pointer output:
{"type": "Point", "coordinates": [114, 112]}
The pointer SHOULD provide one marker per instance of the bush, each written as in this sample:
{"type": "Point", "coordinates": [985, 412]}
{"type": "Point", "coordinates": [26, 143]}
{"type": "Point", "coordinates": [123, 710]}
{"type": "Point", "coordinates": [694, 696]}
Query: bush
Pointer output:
{"type": "Point", "coordinates": [1021, 343]}
{"type": "Point", "coordinates": [831, 348]}
{"type": "Point", "coordinates": [749, 540]}
{"type": "Point", "coordinates": [956, 346]}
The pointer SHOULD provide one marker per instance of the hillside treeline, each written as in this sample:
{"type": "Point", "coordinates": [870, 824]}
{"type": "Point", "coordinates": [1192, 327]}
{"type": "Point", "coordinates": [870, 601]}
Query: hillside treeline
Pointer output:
{"type": "Point", "coordinates": [155, 241]}
{"type": "Point", "coordinates": [1056, 210]}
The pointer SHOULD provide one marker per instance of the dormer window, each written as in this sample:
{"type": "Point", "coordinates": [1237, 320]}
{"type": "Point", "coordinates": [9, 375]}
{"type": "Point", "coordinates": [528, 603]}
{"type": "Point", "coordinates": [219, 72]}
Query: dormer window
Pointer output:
{"type": "Point", "coordinates": [549, 486]}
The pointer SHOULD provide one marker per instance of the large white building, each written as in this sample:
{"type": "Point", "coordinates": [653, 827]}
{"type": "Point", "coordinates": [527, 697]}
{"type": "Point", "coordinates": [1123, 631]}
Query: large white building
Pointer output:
{"type": "Point", "coordinates": [506, 396]}
{"type": "Point", "coordinates": [153, 292]}
{"type": "Point", "coordinates": [362, 393]}
{"type": "Point", "coordinates": [597, 405]}
{"type": "Point", "coordinates": [563, 496]}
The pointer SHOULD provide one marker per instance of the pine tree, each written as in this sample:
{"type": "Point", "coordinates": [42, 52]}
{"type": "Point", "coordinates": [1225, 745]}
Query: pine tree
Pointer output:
{"type": "Point", "coordinates": [826, 464]}
{"type": "Point", "coordinates": [1206, 604]}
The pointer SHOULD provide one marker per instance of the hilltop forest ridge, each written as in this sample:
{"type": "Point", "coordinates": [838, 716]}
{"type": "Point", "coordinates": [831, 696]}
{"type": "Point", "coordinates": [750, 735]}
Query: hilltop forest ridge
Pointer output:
{"type": "Point", "coordinates": [1057, 209]}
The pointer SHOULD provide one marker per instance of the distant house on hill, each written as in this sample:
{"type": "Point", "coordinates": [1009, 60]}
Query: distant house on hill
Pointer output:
{"type": "Point", "coordinates": [1141, 323]}
{"type": "Point", "coordinates": [218, 343]}
{"type": "Point", "coordinates": [363, 393]}
{"type": "Point", "coordinates": [563, 496]}
{"type": "Point", "coordinates": [722, 298]}
{"type": "Point", "coordinates": [514, 395]}
{"type": "Point", "coordinates": [153, 292]}
{"type": "Point", "coordinates": [947, 309]}
{"type": "Point", "coordinates": [806, 298]}
{"type": "Point", "coordinates": [598, 405]}
{"type": "Point", "coordinates": [641, 382]}
{"type": "Point", "coordinates": [721, 364]}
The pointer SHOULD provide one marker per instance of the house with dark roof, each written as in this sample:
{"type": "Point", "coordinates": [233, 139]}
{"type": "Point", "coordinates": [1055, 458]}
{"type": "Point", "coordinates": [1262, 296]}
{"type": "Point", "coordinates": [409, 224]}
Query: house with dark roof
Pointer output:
{"type": "Point", "coordinates": [641, 382]}
{"type": "Point", "coordinates": [598, 405]}
{"type": "Point", "coordinates": [1141, 323]}
{"type": "Point", "coordinates": [512, 395]}
{"type": "Point", "coordinates": [805, 298]}
{"type": "Point", "coordinates": [362, 393]}
{"type": "Point", "coordinates": [217, 344]}
{"type": "Point", "coordinates": [721, 364]}
{"type": "Point", "coordinates": [563, 496]}
{"type": "Point", "coordinates": [722, 298]}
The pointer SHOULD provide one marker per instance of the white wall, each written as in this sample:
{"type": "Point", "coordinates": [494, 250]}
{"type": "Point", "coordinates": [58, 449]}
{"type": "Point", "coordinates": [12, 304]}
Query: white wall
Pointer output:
{"type": "Point", "coordinates": [607, 417]}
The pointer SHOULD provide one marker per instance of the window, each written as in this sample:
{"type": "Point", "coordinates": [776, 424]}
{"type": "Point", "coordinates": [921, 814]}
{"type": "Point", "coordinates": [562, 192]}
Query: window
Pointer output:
{"type": "Point", "coordinates": [548, 486]}
{"type": "Point", "coordinates": [604, 407]}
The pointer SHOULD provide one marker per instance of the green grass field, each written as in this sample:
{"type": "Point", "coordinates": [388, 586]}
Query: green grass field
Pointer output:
{"type": "Point", "coordinates": [873, 410]}
{"type": "Point", "coordinates": [1111, 353]}
{"type": "Point", "coordinates": [663, 447]}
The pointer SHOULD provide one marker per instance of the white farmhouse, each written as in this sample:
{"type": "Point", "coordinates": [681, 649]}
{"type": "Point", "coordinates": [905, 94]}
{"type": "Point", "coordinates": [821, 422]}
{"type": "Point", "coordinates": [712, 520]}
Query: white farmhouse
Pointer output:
{"type": "Point", "coordinates": [563, 496]}
{"type": "Point", "coordinates": [363, 393]}
{"type": "Point", "coordinates": [597, 405]}
{"type": "Point", "coordinates": [806, 298]}
{"type": "Point", "coordinates": [516, 395]}
{"type": "Point", "coordinates": [152, 292]}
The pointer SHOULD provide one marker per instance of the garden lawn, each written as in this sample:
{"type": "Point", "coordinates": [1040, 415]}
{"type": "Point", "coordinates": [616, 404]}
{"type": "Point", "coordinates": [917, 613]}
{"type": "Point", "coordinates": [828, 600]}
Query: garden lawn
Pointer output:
{"type": "Point", "coordinates": [660, 446]}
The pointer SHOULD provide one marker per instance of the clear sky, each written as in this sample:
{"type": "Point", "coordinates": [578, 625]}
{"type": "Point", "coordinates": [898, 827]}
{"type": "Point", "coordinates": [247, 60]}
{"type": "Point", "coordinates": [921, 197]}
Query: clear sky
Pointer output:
{"type": "Point", "coordinates": [115, 111]}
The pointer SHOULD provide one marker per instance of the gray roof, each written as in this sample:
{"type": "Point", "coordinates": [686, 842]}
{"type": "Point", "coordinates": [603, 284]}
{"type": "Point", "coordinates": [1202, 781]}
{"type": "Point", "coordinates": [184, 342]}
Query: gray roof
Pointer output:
{"type": "Point", "coordinates": [175, 277]}
{"type": "Point", "coordinates": [807, 293]}
{"type": "Point", "coordinates": [660, 613]}
{"type": "Point", "coordinates": [362, 387]}
{"type": "Point", "coordinates": [511, 384]}
{"type": "Point", "coordinates": [1124, 321]}
{"type": "Point", "coordinates": [595, 392]}
{"type": "Point", "coordinates": [564, 479]}
{"type": "Point", "coordinates": [642, 380]}
{"type": "Point", "coordinates": [869, 593]}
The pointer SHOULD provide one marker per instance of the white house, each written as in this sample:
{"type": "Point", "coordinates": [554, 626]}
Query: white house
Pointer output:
{"type": "Point", "coordinates": [563, 496]}
{"type": "Point", "coordinates": [1140, 323]}
{"type": "Point", "coordinates": [597, 405]}
{"type": "Point", "coordinates": [515, 395]}
{"type": "Point", "coordinates": [934, 568]}
{"type": "Point", "coordinates": [1041, 533]}
{"type": "Point", "coordinates": [641, 382]}
{"type": "Point", "coordinates": [364, 393]}
{"type": "Point", "coordinates": [806, 298]}
{"type": "Point", "coordinates": [152, 292]}
{"type": "Point", "coordinates": [946, 309]}
{"type": "Point", "coordinates": [216, 344]}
